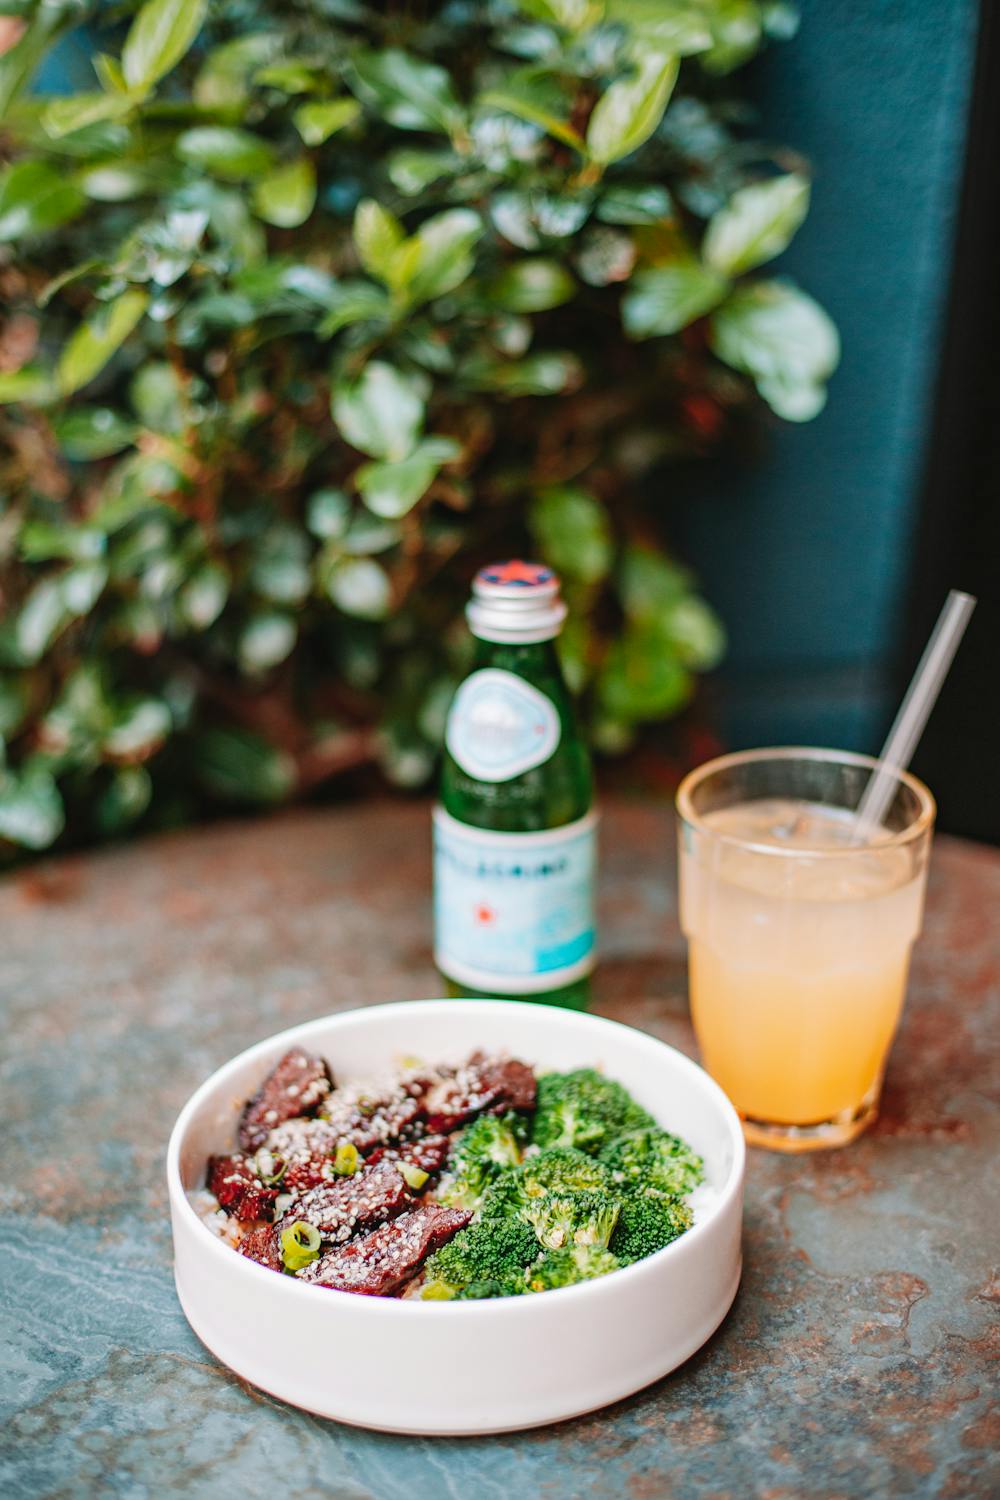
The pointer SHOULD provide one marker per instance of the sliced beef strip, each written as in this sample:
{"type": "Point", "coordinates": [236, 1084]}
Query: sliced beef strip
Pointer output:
{"type": "Point", "coordinates": [296, 1086]}
{"type": "Point", "coordinates": [263, 1246]}
{"type": "Point", "coordinates": [239, 1190]}
{"type": "Point", "coordinates": [428, 1152]}
{"type": "Point", "coordinates": [368, 1121]}
{"type": "Point", "coordinates": [380, 1263]}
{"type": "Point", "coordinates": [352, 1205]}
{"type": "Point", "coordinates": [483, 1084]}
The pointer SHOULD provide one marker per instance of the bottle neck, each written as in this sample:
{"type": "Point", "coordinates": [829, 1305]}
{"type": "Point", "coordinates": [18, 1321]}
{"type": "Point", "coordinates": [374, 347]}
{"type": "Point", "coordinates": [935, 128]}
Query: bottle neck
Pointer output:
{"type": "Point", "coordinates": [525, 659]}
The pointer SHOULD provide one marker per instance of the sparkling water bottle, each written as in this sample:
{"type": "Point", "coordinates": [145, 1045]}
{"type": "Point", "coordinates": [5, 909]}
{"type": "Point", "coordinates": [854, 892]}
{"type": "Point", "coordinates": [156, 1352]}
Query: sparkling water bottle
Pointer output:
{"type": "Point", "coordinates": [515, 829]}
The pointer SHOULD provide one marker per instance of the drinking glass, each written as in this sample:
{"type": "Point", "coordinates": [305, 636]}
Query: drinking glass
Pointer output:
{"type": "Point", "coordinates": [798, 939]}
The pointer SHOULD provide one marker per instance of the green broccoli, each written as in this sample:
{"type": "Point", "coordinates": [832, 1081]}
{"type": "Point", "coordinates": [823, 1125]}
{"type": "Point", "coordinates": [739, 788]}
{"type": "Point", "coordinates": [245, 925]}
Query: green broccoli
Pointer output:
{"type": "Point", "coordinates": [648, 1221]}
{"type": "Point", "coordinates": [563, 1169]}
{"type": "Point", "coordinates": [569, 1265]}
{"type": "Point", "coordinates": [584, 1218]}
{"type": "Point", "coordinates": [584, 1109]}
{"type": "Point", "coordinates": [492, 1251]}
{"type": "Point", "coordinates": [482, 1151]}
{"type": "Point", "coordinates": [653, 1158]}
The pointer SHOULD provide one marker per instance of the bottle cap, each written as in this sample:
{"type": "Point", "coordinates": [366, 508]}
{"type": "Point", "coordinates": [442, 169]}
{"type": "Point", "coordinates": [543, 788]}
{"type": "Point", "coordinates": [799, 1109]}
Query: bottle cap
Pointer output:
{"type": "Point", "coordinates": [515, 601]}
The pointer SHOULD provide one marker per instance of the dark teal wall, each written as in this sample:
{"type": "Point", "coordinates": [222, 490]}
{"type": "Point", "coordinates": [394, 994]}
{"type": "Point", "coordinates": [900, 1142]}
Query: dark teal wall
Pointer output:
{"type": "Point", "coordinates": [807, 553]}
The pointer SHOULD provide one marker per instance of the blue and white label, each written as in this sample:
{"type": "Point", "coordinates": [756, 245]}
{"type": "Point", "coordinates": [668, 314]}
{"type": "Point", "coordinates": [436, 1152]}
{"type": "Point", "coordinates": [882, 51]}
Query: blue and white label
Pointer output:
{"type": "Point", "coordinates": [500, 726]}
{"type": "Point", "coordinates": [514, 912]}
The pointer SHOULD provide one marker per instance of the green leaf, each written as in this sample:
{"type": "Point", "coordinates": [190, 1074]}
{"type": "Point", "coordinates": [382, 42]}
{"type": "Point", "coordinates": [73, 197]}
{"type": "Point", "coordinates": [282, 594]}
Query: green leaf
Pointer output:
{"type": "Point", "coordinates": [642, 677]}
{"type": "Point", "coordinates": [696, 634]}
{"type": "Point", "coordinates": [410, 172]}
{"type": "Point", "coordinates": [442, 255]}
{"type": "Point", "coordinates": [34, 197]}
{"type": "Point", "coordinates": [125, 799]}
{"type": "Point", "coordinates": [91, 432]}
{"type": "Point", "coordinates": [664, 299]}
{"type": "Point", "coordinates": [320, 119]}
{"type": "Point", "coordinates": [378, 235]}
{"type": "Point", "coordinates": [353, 302]}
{"type": "Point", "coordinates": [96, 340]}
{"type": "Point", "coordinates": [528, 97]}
{"type": "Point", "coordinates": [141, 725]}
{"type": "Point", "coordinates": [406, 92]}
{"type": "Point", "coordinates": [650, 583]}
{"type": "Point", "coordinates": [571, 529]}
{"type": "Point", "coordinates": [328, 513]}
{"type": "Point", "coordinates": [784, 340]}
{"type": "Point", "coordinates": [634, 203]}
{"type": "Point", "coordinates": [736, 34]}
{"type": "Point", "coordinates": [572, 15]}
{"type": "Point", "coordinates": [41, 541]}
{"type": "Point", "coordinates": [46, 19]}
{"type": "Point", "coordinates": [203, 597]}
{"type": "Point", "coordinates": [29, 384]}
{"type": "Point", "coordinates": [677, 26]}
{"type": "Point", "coordinates": [76, 111]}
{"type": "Point", "coordinates": [392, 490]}
{"type": "Point", "coordinates": [266, 641]}
{"type": "Point", "coordinates": [157, 398]}
{"type": "Point", "coordinates": [380, 413]}
{"type": "Point", "coordinates": [31, 809]}
{"type": "Point", "coordinates": [756, 224]}
{"type": "Point", "coordinates": [291, 75]}
{"type": "Point", "coordinates": [548, 374]}
{"type": "Point", "coordinates": [286, 197]}
{"type": "Point", "coordinates": [243, 767]}
{"type": "Point", "coordinates": [236, 155]}
{"type": "Point", "coordinates": [158, 38]}
{"type": "Point", "coordinates": [629, 111]}
{"type": "Point", "coordinates": [360, 587]}
{"type": "Point", "coordinates": [532, 285]}
{"type": "Point", "coordinates": [223, 79]}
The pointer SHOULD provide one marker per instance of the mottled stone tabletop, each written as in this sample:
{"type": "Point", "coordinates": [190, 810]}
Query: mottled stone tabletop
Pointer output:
{"type": "Point", "coordinates": [856, 1361]}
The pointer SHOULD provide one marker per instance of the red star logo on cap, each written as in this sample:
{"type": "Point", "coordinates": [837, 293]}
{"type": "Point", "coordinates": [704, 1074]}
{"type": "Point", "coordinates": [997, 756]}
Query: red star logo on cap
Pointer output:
{"type": "Point", "coordinates": [516, 571]}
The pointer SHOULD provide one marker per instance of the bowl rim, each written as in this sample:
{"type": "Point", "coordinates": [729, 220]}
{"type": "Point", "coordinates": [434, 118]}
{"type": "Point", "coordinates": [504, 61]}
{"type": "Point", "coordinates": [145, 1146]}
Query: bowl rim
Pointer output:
{"type": "Point", "coordinates": [486, 1307]}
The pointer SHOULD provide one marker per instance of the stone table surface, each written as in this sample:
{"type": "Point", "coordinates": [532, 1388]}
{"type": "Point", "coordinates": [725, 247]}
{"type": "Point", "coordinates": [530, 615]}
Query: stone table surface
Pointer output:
{"type": "Point", "coordinates": [857, 1358]}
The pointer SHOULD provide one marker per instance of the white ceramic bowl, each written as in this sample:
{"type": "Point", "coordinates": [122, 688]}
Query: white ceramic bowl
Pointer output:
{"type": "Point", "coordinates": [464, 1367]}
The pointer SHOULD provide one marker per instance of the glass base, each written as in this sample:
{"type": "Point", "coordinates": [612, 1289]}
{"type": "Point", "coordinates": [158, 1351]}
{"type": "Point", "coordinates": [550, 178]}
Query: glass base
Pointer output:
{"type": "Point", "coordinates": [826, 1135]}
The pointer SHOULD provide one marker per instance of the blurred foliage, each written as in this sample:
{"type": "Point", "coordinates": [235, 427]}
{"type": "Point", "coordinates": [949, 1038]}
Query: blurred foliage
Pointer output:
{"type": "Point", "coordinates": [309, 309]}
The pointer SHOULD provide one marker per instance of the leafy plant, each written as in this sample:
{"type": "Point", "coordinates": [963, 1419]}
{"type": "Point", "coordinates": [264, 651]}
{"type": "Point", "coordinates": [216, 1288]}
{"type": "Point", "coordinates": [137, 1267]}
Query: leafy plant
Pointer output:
{"type": "Point", "coordinates": [311, 308]}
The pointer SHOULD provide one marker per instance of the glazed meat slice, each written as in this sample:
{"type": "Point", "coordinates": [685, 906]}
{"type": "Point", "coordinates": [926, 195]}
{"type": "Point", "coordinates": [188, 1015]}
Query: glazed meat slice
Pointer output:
{"type": "Point", "coordinates": [428, 1152]}
{"type": "Point", "coordinates": [263, 1246]}
{"type": "Point", "coordinates": [352, 1205]}
{"type": "Point", "coordinates": [369, 1119]}
{"type": "Point", "coordinates": [296, 1086]}
{"type": "Point", "coordinates": [483, 1083]}
{"type": "Point", "coordinates": [381, 1262]}
{"type": "Point", "coordinates": [305, 1148]}
{"type": "Point", "coordinates": [239, 1190]}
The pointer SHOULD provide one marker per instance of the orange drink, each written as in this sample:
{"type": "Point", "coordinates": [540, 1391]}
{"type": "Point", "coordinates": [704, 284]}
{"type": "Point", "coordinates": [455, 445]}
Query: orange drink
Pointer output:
{"type": "Point", "coordinates": [799, 940]}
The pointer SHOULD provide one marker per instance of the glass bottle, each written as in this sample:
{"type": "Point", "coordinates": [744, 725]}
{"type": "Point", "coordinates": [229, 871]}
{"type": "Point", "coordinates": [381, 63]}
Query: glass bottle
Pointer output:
{"type": "Point", "coordinates": [515, 830]}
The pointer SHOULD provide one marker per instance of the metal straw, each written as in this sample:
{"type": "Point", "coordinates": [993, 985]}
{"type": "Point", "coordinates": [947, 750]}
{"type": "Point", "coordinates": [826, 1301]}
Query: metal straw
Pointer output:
{"type": "Point", "coordinates": [914, 711]}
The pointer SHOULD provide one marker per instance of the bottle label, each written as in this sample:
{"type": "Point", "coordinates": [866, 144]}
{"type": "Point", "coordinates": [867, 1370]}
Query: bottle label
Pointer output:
{"type": "Point", "coordinates": [514, 912]}
{"type": "Point", "coordinates": [500, 726]}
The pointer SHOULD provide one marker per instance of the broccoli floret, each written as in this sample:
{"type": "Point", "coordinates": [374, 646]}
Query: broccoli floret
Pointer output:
{"type": "Point", "coordinates": [562, 1169]}
{"type": "Point", "coordinates": [584, 1109]}
{"type": "Point", "coordinates": [569, 1265]}
{"type": "Point", "coordinates": [584, 1218]}
{"type": "Point", "coordinates": [494, 1250]}
{"type": "Point", "coordinates": [482, 1151]}
{"type": "Point", "coordinates": [648, 1221]}
{"type": "Point", "coordinates": [654, 1158]}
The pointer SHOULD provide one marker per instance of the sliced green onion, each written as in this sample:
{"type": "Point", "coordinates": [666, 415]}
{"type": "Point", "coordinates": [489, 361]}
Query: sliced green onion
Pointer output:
{"type": "Point", "coordinates": [300, 1244]}
{"type": "Point", "coordinates": [413, 1176]}
{"type": "Point", "coordinates": [270, 1169]}
{"type": "Point", "coordinates": [346, 1160]}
